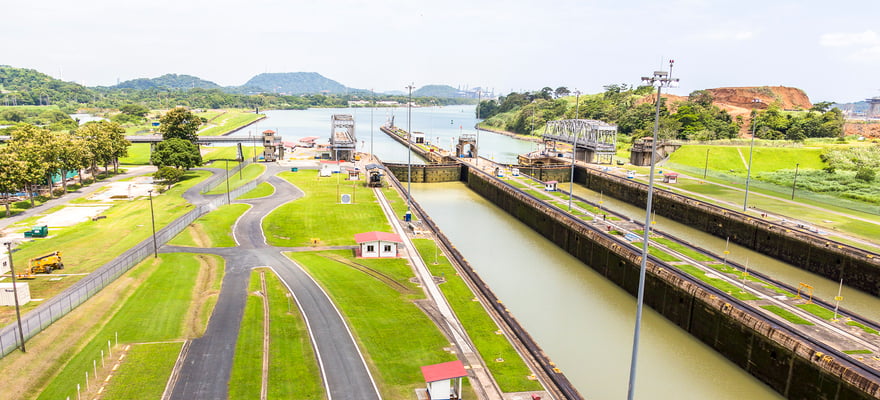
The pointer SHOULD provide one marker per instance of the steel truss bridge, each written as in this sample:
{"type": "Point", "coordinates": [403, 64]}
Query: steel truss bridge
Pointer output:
{"type": "Point", "coordinates": [594, 141]}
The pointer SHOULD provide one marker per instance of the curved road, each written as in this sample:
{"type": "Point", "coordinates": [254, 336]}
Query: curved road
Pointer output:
{"type": "Point", "coordinates": [205, 370]}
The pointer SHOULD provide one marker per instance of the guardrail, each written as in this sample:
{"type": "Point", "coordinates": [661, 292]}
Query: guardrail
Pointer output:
{"type": "Point", "coordinates": [53, 309]}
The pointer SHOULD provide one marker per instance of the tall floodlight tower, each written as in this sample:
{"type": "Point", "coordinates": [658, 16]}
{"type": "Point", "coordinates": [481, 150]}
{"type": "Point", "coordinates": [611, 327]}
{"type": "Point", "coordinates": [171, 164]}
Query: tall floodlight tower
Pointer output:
{"type": "Point", "coordinates": [660, 79]}
{"type": "Point", "coordinates": [409, 149]}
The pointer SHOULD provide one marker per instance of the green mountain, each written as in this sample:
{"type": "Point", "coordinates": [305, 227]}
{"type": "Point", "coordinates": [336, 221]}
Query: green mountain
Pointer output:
{"type": "Point", "coordinates": [23, 86]}
{"type": "Point", "coordinates": [294, 83]}
{"type": "Point", "coordinates": [440, 91]}
{"type": "Point", "coordinates": [168, 81]}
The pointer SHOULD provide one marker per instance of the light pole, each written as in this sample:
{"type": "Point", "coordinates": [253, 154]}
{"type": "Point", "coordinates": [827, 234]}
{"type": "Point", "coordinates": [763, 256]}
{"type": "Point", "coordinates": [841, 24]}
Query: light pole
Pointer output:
{"type": "Point", "coordinates": [751, 150]}
{"type": "Point", "coordinates": [794, 183]}
{"type": "Point", "coordinates": [409, 149]}
{"type": "Point", "coordinates": [227, 182]}
{"type": "Point", "coordinates": [661, 79]}
{"type": "Point", "coordinates": [706, 168]}
{"type": "Point", "coordinates": [577, 114]}
{"type": "Point", "coordinates": [15, 294]}
{"type": "Point", "coordinates": [153, 220]}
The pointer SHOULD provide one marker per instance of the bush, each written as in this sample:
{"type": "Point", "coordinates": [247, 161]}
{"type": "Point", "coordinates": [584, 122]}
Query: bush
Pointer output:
{"type": "Point", "coordinates": [866, 174]}
{"type": "Point", "coordinates": [24, 205]}
{"type": "Point", "coordinates": [58, 192]}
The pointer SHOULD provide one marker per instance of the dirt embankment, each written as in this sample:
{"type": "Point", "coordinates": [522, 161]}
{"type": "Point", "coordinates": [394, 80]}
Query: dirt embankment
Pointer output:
{"type": "Point", "coordinates": [862, 129]}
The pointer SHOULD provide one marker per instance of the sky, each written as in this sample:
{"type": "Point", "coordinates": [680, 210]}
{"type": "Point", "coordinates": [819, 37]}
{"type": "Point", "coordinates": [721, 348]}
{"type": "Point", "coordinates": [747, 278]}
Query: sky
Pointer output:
{"type": "Point", "coordinates": [830, 49]}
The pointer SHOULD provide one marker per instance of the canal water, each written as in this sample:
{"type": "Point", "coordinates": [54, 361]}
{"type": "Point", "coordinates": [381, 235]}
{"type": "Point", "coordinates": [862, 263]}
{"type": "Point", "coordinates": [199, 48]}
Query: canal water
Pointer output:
{"type": "Point", "coordinates": [441, 125]}
{"type": "Point", "coordinates": [581, 320]}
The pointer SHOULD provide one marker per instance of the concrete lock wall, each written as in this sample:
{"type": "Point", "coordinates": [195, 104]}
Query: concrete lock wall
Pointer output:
{"type": "Point", "coordinates": [858, 269]}
{"type": "Point", "coordinates": [558, 174]}
{"type": "Point", "coordinates": [422, 173]}
{"type": "Point", "coordinates": [779, 357]}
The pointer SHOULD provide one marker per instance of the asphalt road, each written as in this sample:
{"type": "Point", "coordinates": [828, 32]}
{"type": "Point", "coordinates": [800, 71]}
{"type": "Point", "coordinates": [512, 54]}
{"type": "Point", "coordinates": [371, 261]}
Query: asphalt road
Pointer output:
{"type": "Point", "coordinates": [206, 369]}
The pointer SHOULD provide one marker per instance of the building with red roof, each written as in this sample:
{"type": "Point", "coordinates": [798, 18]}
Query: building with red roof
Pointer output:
{"type": "Point", "coordinates": [444, 380]}
{"type": "Point", "coordinates": [377, 244]}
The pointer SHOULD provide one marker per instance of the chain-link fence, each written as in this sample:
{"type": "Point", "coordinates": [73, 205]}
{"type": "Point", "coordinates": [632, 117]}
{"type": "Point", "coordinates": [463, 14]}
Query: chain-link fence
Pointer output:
{"type": "Point", "coordinates": [45, 314]}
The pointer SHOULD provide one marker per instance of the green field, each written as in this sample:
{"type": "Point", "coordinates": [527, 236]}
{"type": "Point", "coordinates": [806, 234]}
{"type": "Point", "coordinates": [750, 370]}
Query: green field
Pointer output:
{"type": "Point", "coordinates": [247, 174]}
{"type": "Point", "coordinates": [145, 372]}
{"type": "Point", "coordinates": [262, 190]}
{"type": "Point", "coordinates": [319, 215]}
{"type": "Point", "coordinates": [156, 311]}
{"type": "Point", "coordinates": [227, 153]}
{"type": "Point", "coordinates": [213, 229]}
{"type": "Point", "coordinates": [138, 154]}
{"type": "Point", "coordinates": [787, 315]}
{"type": "Point", "coordinates": [378, 312]}
{"type": "Point", "coordinates": [730, 159]}
{"type": "Point", "coordinates": [224, 121]}
{"type": "Point", "coordinates": [127, 224]}
{"type": "Point", "coordinates": [245, 380]}
{"type": "Point", "coordinates": [512, 373]}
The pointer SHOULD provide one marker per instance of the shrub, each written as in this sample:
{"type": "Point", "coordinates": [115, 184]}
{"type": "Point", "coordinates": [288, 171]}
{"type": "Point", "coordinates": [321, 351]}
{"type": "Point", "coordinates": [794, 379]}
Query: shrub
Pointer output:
{"type": "Point", "coordinates": [22, 205]}
{"type": "Point", "coordinates": [866, 174]}
{"type": "Point", "coordinates": [58, 192]}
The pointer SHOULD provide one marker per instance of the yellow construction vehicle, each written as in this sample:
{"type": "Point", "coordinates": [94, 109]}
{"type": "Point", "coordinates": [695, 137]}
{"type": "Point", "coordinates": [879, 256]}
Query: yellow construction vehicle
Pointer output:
{"type": "Point", "coordinates": [42, 265]}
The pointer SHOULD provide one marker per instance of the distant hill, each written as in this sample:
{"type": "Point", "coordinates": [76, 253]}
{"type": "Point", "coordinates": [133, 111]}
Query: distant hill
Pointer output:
{"type": "Point", "coordinates": [168, 81]}
{"type": "Point", "coordinates": [442, 91]}
{"type": "Point", "coordinates": [294, 83]}
{"type": "Point", "coordinates": [23, 86]}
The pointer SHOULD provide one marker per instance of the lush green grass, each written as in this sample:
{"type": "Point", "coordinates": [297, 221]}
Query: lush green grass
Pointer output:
{"type": "Point", "coordinates": [511, 374]}
{"type": "Point", "coordinates": [293, 368]}
{"type": "Point", "coordinates": [156, 311]}
{"type": "Point", "coordinates": [764, 159]}
{"type": "Point", "coordinates": [657, 252]}
{"type": "Point", "coordinates": [262, 190]}
{"type": "Point", "coordinates": [539, 193]}
{"type": "Point", "coordinates": [127, 223]}
{"type": "Point", "coordinates": [863, 327]}
{"type": "Point", "coordinates": [215, 228]}
{"type": "Point", "coordinates": [138, 154]}
{"type": "Point", "coordinates": [144, 373]}
{"type": "Point", "coordinates": [397, 202]}
{"type": "Point", "coordinates": [717, 283]}
{"type": "Point", "coordinates": [228, 153]}
{"type": "Point", "coordinates": [247, 174]}
{"type": "Point", "coordinates": [515, 183]}
{"type": "Point", "coordinates": [787, 315]}
{"type": "Point", "coordinates": [818, 311]}
{"type": "Point", "coordinates": [858, 351]}
{"type": "Point", "coordinates": [318, 214]}
{"type": "Point", "coordinates": [687, 251]}
{"type": "Point", "coordinates": [227, 121]}
{"type": "Point", "coordinates": [395, 335]}
{"type": "Point", "coordinates": [245, 380]}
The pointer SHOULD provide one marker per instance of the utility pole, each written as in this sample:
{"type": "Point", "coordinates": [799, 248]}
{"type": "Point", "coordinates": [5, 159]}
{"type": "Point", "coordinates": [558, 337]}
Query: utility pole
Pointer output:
{"type": "Point", "coordinates": [577, 96]}
{"type": "Point", "coordinates": [660, 79]}
{"type": "Point", "coordinates": [15, 294]}
{"type": "Point", "coordinates": [409, 148]}
{"type": "Point", "coordinates": [794, 183]}
{"type": "Point", "coordinates": [153, 219]}
{"type": "Point", "coordinates": [751, 150]}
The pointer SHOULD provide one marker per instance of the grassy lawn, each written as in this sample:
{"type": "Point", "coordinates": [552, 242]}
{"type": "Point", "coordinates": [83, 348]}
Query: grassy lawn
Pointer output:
{"type": "Point", "coordinates": [539, 193]}
{"type": "Point", "coordinates": [818, 311]}
{"type": "Point", "coordinates": [764, 159]}
{"type": "Point", "coordinates": [157, 311]}
{"type": "Point", "coordinates": [397, 202]}
{"type": "Point", "coordinates": [318, 214]}
{"type": "Point", "coordinates": [857, 351]}
{"type": "Point", "coordinates": [245, 379]}
{"type": "Point", "coordinates": [511, 374]}
{"type": "Point", "coordinates": [787, 315]}
{"type": "Point", "coordinates": [146, 369]}
{"type": "Point", "coordinates": [227, 121]}
{"type": "Point", "coordinates": [138, 154]}
{"type": "Point", "coordinates": [379, 313]}
{"type": "Point", "coordinates": [515, 183]}
{"type": "Point", "coordinates": [863, 327]}
{"type": "Point", "coordinates": [687, 251]}
{"type": "Point", "coordinates": [213, 229]}
{"type": "Point", "coordinates": [717, 283]}
{"type": "Point", "coordinates": [227, 153]}
{"type": "Point", "coordinates": [657, 252]}
{"type": "Point", "coordinates": [293, 368]}
{"type": "Point", "coordinates": [127, 224]}
{"type": "Point", "coordinates": [248, 173]}
{"type": "Point", "coordinates": [262, 190]}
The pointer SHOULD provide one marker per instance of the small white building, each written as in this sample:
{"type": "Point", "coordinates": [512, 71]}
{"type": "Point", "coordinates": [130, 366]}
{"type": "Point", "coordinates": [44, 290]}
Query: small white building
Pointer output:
{"type": "Point", "coordinates": [7, 294]}
{"type": "Point", "coordinates": [377, 244]}
{"type": "Point", "coordinates": [444, 380]}
{"type": "Point", "coordinates": [329, 168]}
{"type": "Point", "coordinates": [418, 137]}
{"type": "Point", "coordinates": [550, 186]}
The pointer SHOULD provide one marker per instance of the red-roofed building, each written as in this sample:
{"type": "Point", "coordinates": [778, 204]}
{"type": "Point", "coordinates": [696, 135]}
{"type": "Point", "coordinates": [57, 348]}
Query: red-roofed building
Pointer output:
{"type": "Point", "coordinates": [377, 244]}
{"type": "Point", "coordinates": [444, 380]}
{"type": "Point", "coordinates": [550, 186]}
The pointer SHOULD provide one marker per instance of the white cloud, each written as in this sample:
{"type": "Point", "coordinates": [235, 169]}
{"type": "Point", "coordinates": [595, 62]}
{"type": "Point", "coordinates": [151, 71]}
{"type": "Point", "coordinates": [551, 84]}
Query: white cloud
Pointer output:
{"type": "Point", "coordinates": [869, 38]}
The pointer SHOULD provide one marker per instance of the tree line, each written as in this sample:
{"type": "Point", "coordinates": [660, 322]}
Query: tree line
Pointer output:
{"type": "Point", "coordinates": [34, 155]}
{"type": "Point", "coordinates": [632, 109]}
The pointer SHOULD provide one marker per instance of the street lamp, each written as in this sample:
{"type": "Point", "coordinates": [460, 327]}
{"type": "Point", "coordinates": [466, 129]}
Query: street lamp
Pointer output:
{"type": "Point", "coordinates": [477, 153]}
{"type": "Point", "coordinates": [153, 219]}
{"type": "Point", "coordinates": [660, 79]}
{"type": "Point", "coordinates": [409, 148]}
{"type": "Point", "coordinates": [577, 97]}
{"type": "Point", "coordinates": [227, 182]}
{"type": "Point", "coordinates": [15, 294]}
{"type": "Point", "coordinates": [372, 107]}
{"type": "Point", "coordinates": [751, 150]}
{"type": "Point", "coordinates": [794, 183]}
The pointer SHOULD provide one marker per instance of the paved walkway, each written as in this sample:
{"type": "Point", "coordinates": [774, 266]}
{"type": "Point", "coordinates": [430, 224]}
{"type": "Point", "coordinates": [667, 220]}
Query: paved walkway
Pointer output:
{"type": "Point", "coordinates": [207, 365]}
{"type": "Point", "coordinates": [81, 192]}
